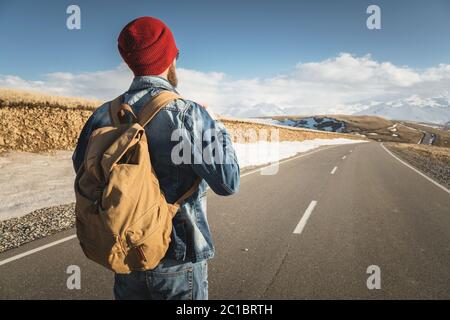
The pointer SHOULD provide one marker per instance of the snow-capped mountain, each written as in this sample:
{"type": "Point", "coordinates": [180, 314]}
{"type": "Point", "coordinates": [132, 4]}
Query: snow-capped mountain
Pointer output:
{"type": "Point", "coordinates": [414, 108]}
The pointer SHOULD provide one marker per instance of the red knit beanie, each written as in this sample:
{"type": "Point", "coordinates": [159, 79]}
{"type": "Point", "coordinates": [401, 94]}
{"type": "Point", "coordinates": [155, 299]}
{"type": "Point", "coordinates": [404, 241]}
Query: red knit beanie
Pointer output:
{"type": "Point", "coordinates": [147, 46]}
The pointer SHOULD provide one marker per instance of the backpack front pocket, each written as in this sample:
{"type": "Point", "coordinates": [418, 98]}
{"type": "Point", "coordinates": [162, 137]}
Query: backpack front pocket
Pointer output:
{"type": "Point", "coordinates": [144, 226]}
{"type": "Point", "coordinates": [148, 239]}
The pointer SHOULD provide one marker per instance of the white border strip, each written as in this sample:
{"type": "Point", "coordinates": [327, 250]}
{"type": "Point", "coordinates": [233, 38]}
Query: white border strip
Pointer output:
{"type": "Point", "coordinates": [412, 168]}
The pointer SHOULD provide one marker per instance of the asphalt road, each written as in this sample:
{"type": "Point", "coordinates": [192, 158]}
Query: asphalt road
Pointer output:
{"type": "Point", "coordinates": [370, 209]}
{"type": "Point", "coordinates": [428, 138]}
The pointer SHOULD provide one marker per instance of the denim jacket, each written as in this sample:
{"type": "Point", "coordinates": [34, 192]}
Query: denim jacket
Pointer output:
{"type": "Point", "coordinates": [191, 238]}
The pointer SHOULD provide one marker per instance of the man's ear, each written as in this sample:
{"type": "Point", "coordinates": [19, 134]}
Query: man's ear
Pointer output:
{"type": "Point", "coordinates": [174, 62]}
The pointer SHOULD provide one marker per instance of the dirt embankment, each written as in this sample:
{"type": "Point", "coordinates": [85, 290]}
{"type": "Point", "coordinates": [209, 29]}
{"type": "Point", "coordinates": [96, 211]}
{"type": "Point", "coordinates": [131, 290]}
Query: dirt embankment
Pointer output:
{"type": "Point", "coordinates": [433, 161]}
{"type": "Point", "coordinates": [40, 128]}
{"type": "Point", "coordinates": [38, 123]}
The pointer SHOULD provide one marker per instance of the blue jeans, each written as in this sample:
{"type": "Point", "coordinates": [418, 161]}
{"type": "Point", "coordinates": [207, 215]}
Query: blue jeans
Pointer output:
{"type": "Point", "coordinates": [168, 281]}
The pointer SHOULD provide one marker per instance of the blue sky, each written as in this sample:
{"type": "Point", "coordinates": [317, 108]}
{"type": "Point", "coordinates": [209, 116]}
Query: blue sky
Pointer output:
{"type": "Point", "coordinates": [245, 38]}
{"type": "Point", "coordinates": [241, 57]}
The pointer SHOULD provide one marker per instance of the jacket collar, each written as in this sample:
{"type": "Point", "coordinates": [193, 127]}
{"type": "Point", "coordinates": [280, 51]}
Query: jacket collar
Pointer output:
{"type": "Point", "coordinates": [146, 82]}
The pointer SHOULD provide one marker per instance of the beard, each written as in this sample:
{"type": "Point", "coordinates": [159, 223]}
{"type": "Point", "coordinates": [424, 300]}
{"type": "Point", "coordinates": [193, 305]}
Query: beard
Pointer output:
{"type": "Point", "coordinates": [172, 76]}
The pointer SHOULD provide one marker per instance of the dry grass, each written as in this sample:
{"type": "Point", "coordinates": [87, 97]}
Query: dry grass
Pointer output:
{"type": "Point", "coordinates": [433, 152]}
{"type": "Point", "coordinates": [432, 160]}
{"type": "Point", "coordinates": [22, 98]}
{"type": "Point", "coordinates": [380, 126]}
{"type": "Point", "coordinates": [366, 123]}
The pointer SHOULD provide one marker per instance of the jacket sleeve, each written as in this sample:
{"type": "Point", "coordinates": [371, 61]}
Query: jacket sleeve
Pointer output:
{"type": "Point", "coordinates": [213, 157]}
{"type": "Point", "coordinates": [78, 154]}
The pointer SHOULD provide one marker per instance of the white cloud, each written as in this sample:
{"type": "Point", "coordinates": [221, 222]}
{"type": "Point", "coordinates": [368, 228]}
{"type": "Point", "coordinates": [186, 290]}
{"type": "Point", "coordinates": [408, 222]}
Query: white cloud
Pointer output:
{"type": "Point", "coordinates": [103, 85]}
{"type": "Point", "coordinates": [330, 86]}
{"type": "Point", "coordinates": [347, 69]}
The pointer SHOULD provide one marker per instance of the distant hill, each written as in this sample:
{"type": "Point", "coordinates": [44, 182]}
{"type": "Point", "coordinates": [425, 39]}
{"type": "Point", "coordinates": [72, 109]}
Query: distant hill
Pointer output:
{"type": "Point", "coordinates": [373, 127]}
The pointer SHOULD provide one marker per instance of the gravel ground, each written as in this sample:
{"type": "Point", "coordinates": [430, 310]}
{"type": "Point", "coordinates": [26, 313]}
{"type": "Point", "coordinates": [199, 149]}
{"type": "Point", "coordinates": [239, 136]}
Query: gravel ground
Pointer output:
{"type": "Point", "coordinates": [35, 225]}
{"type": "Point", "coordinates": [433, 161]}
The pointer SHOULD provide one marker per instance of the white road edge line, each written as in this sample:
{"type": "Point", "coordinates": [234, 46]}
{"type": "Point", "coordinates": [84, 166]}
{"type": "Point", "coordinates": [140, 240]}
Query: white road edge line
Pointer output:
{"type": "Point", "coordinates": [27, 253]}
{"type": "Point", "coordinates": [299, 228]}
{"type": "Point", "coordinates": [334, 170]}
{"type": "Point", "coordinates": [417, 171]}
{"type": "Point", "coordinates": [51, 244]}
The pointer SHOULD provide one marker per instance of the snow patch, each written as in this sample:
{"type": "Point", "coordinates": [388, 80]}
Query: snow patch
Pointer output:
{"type": "Point", "coordinates": [315, 123]}
{"type": "Point", "coordinates": [264, 152]}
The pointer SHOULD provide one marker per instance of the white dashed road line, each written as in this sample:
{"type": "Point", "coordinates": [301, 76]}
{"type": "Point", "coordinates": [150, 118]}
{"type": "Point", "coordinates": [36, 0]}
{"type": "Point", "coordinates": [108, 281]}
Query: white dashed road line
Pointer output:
{"type": "Point", "coordinates": [334, 170]}
{"type": "Point", "coordinates": [299, 228]}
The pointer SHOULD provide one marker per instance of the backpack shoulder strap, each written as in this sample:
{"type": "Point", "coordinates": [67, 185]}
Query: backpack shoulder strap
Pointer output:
{"type": "Point", "coordinates": [146, 115]}
{"type": "Point", "coordinates": [155, 105]}
{"type": "Point", "coordinates": [117, 111]}
{"type": "Point", "coordinates": [114, 108]}
{"type": "Point", "coordinates": [188, 193]}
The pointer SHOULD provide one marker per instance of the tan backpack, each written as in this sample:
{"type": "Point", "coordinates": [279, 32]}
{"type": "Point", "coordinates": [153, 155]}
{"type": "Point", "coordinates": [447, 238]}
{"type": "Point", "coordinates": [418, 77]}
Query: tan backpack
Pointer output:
{"type": "Point", "coordinates": [123, 221]}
